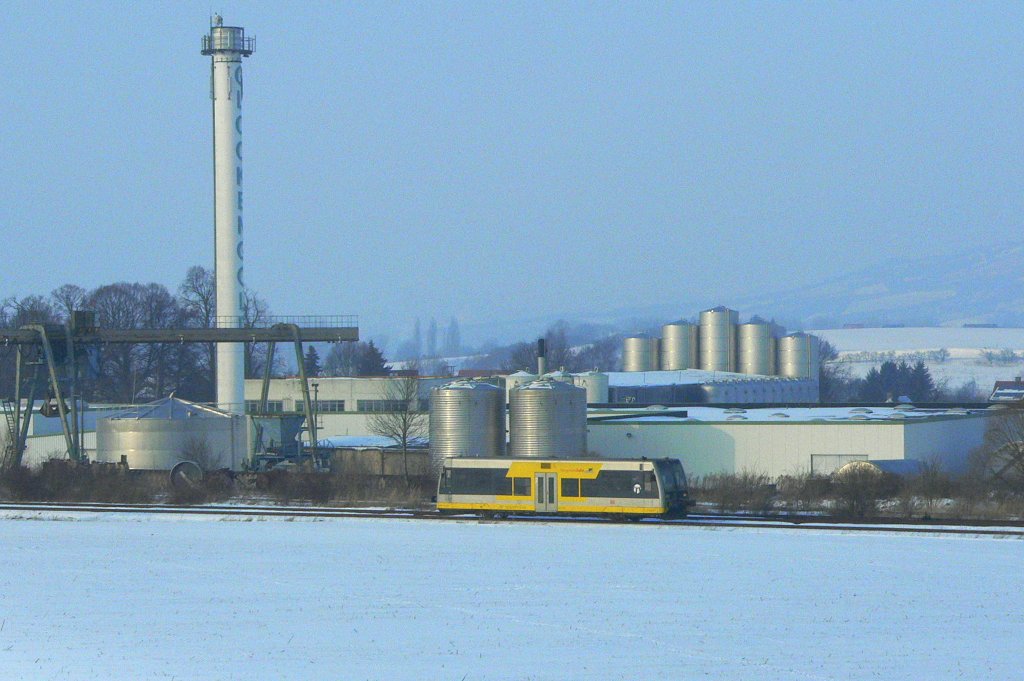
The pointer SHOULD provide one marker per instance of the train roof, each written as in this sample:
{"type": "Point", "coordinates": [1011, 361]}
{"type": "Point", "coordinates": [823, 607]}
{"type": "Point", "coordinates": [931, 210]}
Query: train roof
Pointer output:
{"type": "Point", "coordinates": [537, 459]}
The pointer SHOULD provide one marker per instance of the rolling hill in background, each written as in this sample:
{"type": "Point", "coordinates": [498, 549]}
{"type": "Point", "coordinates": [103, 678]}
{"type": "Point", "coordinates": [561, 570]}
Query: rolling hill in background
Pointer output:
{"type": "Point", "coordinates": [981, 285]}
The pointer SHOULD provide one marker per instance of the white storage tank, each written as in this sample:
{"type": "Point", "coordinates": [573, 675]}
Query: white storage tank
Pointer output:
{"type": "Point", "coordinates": [513, 381]}
{"type": "Point", "coordinates": [679, 344]}
{"type": "Point", "coordinates": [799, 356]}
{"type": "Point", "coordinates": [756, 345]}
{"type": "Point", "coordinates": [596, 385]}
{"type": "Point", "coordinates": [467, 418]}
{"type": "Point", "coordinates": [640, 353]}
{"type": "Point", "coordinates": [162, 434]}
{"type": "Point", "coordinates": [560, 375]}
{"type": "Point", "coordinates": [548, 419]}
{"type": "Point", "coordinates": [718, 339]}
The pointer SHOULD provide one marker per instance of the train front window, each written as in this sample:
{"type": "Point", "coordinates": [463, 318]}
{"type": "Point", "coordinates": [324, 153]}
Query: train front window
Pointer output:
{"type": "Point", "coordinates": [669, 479]}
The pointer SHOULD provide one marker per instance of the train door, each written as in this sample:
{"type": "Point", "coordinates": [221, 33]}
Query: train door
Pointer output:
{"type": "Point", "coordinates": [545, 486]}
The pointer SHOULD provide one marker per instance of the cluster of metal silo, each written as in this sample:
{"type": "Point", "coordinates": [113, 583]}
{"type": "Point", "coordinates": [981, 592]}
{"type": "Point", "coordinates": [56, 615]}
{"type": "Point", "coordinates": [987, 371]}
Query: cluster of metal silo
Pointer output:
{"type": "Point", "coordinates": [721, 343]}
{"type": "Point", "coordinates": [548, 419]}
{"type": "Point", "coordinates": [640, 353]}
{"type": "Point", "coordinates": [467, 418]}
{"type": "Point", "coordinates": [679, 343]}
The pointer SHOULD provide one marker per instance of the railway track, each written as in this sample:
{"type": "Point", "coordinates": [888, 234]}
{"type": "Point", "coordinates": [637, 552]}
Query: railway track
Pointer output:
{"type": "Point", "coordinates": [1008, 529]}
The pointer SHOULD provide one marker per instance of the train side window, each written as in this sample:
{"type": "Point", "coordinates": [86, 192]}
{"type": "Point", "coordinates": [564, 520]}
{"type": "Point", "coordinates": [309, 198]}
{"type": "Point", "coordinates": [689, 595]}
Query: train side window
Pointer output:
{"type": "Point", "coordinates": [650, 482]}
{"type": "Point", "coordinates": [570, 487]}
{"type": "Point", "coordinates": [521, 487]}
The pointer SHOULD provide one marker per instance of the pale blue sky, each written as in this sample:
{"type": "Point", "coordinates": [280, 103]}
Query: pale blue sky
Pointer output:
{"type": "Point", "coordinates": [495, 160]}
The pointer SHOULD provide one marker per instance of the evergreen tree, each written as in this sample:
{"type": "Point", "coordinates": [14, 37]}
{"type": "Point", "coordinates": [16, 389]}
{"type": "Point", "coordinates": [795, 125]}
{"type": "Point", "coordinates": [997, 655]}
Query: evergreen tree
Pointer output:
{"type": "Point", "coordinates": [921, 387]}
{"type": "Point", "coordinates": [432, 338]}
{"type": "Point", "coordinates": [893, 380]}
{"type": "Point", "coordinates": [312, 362]}
{"type": "Point", "coordinates": [452, 339]}
{"type": "Point", "coordinates": [371, 362]}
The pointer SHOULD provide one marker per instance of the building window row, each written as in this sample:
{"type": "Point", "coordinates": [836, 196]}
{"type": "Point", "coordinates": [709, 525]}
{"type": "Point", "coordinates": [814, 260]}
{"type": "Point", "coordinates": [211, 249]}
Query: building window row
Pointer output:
{"type": "Point", "coordinates": [381, 405]}
{"type": "Point", "coordinates": [273, 406]}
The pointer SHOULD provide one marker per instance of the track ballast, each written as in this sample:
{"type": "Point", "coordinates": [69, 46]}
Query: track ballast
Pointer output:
{"type": "Point", "coordinates": [1008, 529]}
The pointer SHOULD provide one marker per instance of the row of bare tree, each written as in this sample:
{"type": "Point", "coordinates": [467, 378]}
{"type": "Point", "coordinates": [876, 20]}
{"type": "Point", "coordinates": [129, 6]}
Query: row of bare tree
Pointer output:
{"type": "Point", "coordinates": [138, 372]}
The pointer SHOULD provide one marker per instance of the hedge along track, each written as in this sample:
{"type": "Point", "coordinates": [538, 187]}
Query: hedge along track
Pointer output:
{"type": "Point", "coordinates": [1008, 529]}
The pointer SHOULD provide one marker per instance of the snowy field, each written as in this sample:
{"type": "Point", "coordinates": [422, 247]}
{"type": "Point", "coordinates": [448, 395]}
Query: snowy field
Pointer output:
{"type": "Point", "coordinates": [965, 347]}
{"type": "Point", "coordinates": [169, 597]}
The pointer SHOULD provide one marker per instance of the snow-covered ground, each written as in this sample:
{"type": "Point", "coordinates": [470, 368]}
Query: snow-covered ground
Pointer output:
{"type": "Point", "coordinates": [133, 597]}
{"type": "Point", "coordinates": [862, 349]}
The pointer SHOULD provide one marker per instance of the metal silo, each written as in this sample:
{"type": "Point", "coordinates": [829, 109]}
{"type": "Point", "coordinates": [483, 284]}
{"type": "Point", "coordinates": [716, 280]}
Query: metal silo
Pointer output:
{"type": "Point", "coordinates": [561, 375]}
{"type": "Point", "coordinates": [799, 356]}
{"type": "Point", "coordinates": [679, 346]}
{"type": "Point", "coordinates": [467, 418]}
{"type": "Point", "coordinates": [640, 353]}
{"type": "Point", "coordinates": [756, 348]}
{"type": "Point", "coordinates": [513, 381]}
{"type": "Point", "coordinates": [718, 339]}
{"type": "Point", "coordinates": [162, 434]}
{"type": "Point", "coordinates": [548, 420]}
{"type": "Point", "coordinates": [596, 385]}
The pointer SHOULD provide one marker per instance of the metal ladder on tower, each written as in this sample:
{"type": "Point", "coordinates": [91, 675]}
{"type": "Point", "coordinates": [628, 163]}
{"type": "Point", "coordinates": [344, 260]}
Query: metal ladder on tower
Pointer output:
{"type": "Point", "coordinates": [7, 453]}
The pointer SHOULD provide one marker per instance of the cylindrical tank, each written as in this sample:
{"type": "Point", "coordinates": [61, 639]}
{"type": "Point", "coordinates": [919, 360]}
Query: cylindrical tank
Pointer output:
{"type": "Point", "coordinates": [718, 339]}
{"type": "Point", "coordinates": [162, 434]}
{"type": "Point", "coordinates": [513, 381]}
{"type": "Point", "coordinates": [756, 346]}
{"type": "Point", "coordinates": [640, 353]}
{"type": "Point", "coordinates": [799, 356]}
{"type": "Point", "coordinates": [560, 375]}
{"type": "Point", "coordinates": [467, 418]}
{"type": "Point", "coordinates": [548, 419]}
{"type": "Point", "coordinates": [679, 346]}
{"type": "Point", "coordinates": [596, 385]}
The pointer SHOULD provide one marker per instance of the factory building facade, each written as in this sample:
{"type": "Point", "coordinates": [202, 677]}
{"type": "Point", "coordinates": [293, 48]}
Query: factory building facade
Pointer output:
{"type": "Point", "coordinates": [343, 405]}
{"type": "Point", "coordinates": [787, 441]}
{"type": "Point", "coordinates": [692, 386]}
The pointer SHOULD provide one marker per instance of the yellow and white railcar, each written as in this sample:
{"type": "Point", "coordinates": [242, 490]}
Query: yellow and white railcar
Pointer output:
{"type": "Point", "coordinates": [586, 487]}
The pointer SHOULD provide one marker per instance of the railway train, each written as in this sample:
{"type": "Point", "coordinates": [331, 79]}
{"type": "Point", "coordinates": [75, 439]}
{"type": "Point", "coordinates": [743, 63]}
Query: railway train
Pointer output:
{"type": "Point", "coordinates": [633, 488]}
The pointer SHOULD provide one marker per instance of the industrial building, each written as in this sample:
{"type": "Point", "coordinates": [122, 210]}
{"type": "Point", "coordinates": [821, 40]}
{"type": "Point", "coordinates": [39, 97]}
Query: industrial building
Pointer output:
{"type": "Point", "coordinates": [343, 404]}
{"type": "Point", "coordinates": [693, 386]}
{"type": "Point", "coordinates": [786, 441]}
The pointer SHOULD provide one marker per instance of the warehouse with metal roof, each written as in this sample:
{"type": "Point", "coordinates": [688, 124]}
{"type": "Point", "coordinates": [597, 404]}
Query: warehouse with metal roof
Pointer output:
{"type": "Point", "coordinates": [784, 440]}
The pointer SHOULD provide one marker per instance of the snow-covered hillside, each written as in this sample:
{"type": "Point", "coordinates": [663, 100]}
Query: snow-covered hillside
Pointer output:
{"type": "Point", "coordinates": [954, 355]}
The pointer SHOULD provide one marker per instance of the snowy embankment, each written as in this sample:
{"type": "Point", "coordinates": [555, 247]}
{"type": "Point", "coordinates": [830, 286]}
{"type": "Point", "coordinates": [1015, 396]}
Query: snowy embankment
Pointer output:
{"type": "Point", "coordinates": [130, 598]}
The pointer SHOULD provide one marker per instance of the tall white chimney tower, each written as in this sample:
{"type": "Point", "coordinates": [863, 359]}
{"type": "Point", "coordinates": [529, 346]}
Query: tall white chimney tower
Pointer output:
{"type": "Point", "coordinates": [226, 45]}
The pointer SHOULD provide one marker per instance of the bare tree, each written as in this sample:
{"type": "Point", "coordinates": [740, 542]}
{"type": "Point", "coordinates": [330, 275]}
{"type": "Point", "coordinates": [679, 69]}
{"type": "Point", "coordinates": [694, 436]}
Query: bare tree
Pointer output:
{"type": "Point", "coordinates": [255, 313]}
{"type": "Point", "coordinates": [68, 298]}
{"type": "Point", "coordinates": [198, 298]}
{"type": "Point", "coordinates": [403, 421]}
{"type": "Point", "coordinates": [1002, 455]}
